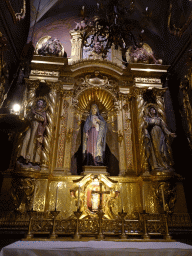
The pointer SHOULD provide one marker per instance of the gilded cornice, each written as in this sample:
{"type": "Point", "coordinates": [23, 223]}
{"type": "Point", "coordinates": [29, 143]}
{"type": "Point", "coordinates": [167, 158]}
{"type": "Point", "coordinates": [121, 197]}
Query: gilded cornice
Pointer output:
{"type": "Point", "coordinates": [102, 65]}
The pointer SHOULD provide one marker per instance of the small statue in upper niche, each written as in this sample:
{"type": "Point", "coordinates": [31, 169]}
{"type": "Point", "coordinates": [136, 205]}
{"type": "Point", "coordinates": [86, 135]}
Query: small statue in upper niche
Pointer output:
{"type": "Point", "coordinates": [142, 54]}
{"type": "Point", "coordinates": [31, 148]}
{"type": "Point", "coordinates": [94, 138]}
{"type": "Point", "coordinates": [51, 47]}
{"type": "Point", "coordinates": [156, 142]}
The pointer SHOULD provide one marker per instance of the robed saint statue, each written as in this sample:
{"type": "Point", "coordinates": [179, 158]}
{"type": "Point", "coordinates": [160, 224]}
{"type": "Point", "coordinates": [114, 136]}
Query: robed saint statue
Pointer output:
{"type": "Point", "coordinates": [94, 138]}
{"type": "Point", "coordinates": [156, 141]}
{"type": "Point", "coordinates": [31, 147]}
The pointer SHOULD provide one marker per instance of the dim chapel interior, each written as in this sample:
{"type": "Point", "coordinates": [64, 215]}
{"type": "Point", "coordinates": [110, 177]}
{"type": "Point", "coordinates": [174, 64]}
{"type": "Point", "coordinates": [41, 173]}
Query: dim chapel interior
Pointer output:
{"type": "Point", "coordinates": [96, 118]}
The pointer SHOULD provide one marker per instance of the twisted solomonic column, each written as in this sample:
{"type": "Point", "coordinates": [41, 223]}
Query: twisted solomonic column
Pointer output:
{"type": "Point", "coordinates": [45, 160]}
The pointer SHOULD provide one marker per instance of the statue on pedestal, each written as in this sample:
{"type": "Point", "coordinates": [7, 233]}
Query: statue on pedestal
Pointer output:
{"type": "Point", "coordinates": [156, 142]}
{"type": "Point", "coordinates": [94, 138]}
{"type": "Point", "coordinates": [30, 153]}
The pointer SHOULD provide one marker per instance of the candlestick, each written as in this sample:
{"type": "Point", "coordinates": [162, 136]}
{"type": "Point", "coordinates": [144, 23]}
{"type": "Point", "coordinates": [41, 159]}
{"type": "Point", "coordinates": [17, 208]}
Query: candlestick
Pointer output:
{"type": "Point", "coordinates": [163, 197]}
{"type": "Point", "coordinates": [78, 197]}
{"type": "Point", "coordinates": [121, 198]}
{"type": "Point", "coordinates": [34, 196]}
{"type": "Point", "coordinates": [143, 197]}
{"type": "Point", "coordinates": [56, 198]}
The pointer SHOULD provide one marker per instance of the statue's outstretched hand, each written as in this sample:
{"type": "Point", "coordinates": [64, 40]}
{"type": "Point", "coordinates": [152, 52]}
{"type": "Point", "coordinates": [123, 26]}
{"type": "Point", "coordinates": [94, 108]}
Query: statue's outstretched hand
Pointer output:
{"type": "Point", "coordinates": [173, 135]}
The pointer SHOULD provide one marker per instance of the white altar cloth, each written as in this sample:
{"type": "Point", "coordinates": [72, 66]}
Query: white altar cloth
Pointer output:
{"type": "Point", "coordinates": [96, 248]}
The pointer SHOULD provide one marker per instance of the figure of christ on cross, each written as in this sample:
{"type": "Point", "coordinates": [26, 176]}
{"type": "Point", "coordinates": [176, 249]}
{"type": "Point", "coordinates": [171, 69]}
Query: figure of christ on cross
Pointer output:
{"type": "Point", "coordinates": [100, 192]}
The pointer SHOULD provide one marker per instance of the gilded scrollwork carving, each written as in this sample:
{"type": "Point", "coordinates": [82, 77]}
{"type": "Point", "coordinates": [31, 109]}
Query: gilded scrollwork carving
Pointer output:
{"type": "Point", "coordinates": [96, 89]}
{"type": "Point", "coordinates": [166, 194]}
{"type": "Point", "coordinates": [63, 133]}
{"type": "Point", "coordinates": [187, 109]}
{"type": "Point", "coordinates": [69, 134]}
{"type": "Point", "coordinates": [120, 136]}
{"type": "Point", "coordinates": [17, 16]}
{"type": "Point", "coordinates": [156, 224]}
{"type": "Point", "coordinates": [22, 192]}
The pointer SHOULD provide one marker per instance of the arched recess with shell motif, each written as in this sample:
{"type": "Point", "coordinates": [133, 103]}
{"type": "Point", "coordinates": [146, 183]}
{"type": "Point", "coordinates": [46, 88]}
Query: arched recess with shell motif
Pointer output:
{"type": "Point", "coordinates": [103, 92]}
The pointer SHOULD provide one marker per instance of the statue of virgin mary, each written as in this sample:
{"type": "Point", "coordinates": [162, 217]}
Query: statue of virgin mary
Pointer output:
{"type": "Point", "coordinates": [94, 138]}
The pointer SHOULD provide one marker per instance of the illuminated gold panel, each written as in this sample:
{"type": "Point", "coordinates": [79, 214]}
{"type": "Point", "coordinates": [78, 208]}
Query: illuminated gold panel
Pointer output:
{"type": "Point", "coordinates": [131, 197]}
{"type": "Point", "coordinates": [40, 195]}
{"type": "Point", "coordinates": [60, 198]}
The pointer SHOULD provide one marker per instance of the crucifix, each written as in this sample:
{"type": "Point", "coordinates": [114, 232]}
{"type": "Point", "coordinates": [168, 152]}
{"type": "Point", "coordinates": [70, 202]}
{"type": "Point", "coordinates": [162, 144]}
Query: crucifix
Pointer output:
{"type": "Point", "coordinates": [100, 192]}
{"type": "Point", "coordinates": [100, 212]}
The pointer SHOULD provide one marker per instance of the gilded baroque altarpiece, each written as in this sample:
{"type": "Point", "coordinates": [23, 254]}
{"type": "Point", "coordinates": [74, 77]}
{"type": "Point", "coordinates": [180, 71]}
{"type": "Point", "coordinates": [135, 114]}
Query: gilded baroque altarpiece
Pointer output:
{"type": "Point", "coordinates": [60, 182]}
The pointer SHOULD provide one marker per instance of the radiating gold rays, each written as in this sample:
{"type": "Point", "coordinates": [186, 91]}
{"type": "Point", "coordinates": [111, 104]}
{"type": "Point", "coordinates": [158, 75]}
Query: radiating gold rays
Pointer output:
{"type": "Point", "coordinates": [101, 97]}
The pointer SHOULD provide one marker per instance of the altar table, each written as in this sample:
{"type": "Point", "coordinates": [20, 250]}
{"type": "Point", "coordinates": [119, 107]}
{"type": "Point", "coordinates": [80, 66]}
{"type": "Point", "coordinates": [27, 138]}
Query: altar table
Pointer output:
{"type": "Point", "coordinates": [96, 248]}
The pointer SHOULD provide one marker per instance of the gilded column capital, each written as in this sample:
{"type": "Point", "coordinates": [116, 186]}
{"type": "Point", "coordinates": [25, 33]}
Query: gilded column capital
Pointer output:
{"type": "Point", "coordinates": [138, 91]}
{"type": "Point", "coordinates": [32, 83]}
{"type": "Point", "coordinates": [66, 93]}
{"type": "Point", "coordinates": [159, 92]}
{"type": "Point", "coordinates": [56, 86]}
{"type": "Point", "coordinates": [75, 34]}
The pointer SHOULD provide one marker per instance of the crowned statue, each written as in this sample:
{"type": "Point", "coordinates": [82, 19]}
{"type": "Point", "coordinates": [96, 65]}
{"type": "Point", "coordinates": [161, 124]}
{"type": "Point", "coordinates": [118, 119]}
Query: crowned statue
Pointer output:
{"type": "Point", "coordinates": [94, 138]}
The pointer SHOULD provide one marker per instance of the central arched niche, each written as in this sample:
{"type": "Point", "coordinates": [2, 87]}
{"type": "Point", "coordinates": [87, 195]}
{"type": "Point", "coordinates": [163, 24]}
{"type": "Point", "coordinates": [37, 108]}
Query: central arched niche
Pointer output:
{"type": "Point", "coordinates": [105, 101]}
